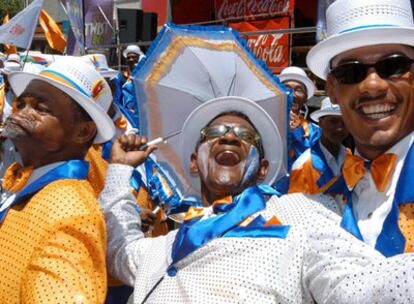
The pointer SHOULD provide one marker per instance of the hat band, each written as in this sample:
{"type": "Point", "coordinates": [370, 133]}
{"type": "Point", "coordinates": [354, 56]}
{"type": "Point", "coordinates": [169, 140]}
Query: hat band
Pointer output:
{"type": "Point", "coordinates": [56, 76]}
{"type": "Point", "coordinates": [368, 26]}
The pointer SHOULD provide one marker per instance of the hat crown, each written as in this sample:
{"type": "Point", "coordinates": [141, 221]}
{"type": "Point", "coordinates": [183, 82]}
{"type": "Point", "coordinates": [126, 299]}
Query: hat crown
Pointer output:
{"type": "Point", "coordinates": [348, 15]}
{"type": "Point", "coordinates": [81, 77]}
{"type": "Point", "coordinates": [326, 104]}
{"type": "Point", "coordinates": [294, 70]}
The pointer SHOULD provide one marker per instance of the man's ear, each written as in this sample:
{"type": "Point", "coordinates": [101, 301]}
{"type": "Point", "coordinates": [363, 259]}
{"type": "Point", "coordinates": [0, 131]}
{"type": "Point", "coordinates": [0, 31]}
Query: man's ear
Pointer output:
{"type": "Point", "coordinates": [329, 88]}
{"type": "Point", "coordinates": [263, 169]}
{"type": "Point", "coordinates": [194, 164]}
{"type": "Point", "coordinates": [85, 132]}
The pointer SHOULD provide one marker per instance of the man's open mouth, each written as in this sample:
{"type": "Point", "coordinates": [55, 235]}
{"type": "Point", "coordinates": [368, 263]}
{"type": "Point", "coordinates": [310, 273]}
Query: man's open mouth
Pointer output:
{"type": "Point", "coordinates": [378, 111]}
{"type": "Point", "coordinates": [228, 158]}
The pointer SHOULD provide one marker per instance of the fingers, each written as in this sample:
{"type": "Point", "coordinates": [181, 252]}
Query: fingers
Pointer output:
{"type": "Point", "coordinates": [131, 142]}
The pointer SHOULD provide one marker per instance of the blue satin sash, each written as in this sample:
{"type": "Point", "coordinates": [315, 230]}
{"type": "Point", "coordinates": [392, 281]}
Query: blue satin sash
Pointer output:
{"type": "Point", "coordinates": [194, 233]}
{"type": "Point", "coordinates": [319, 163]}
{"type": "Point", "coordinates": [72, 169]}
{"type": "Point", "coordinates": [391, 240]}
{"type": "Point", "coordinates": [106, 150]}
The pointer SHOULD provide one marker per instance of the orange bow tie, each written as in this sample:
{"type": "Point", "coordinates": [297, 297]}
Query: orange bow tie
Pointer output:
{"type": "Point", "coordinates": [16, 177]}
{"type": "Point", "coordinates": [381, 170]}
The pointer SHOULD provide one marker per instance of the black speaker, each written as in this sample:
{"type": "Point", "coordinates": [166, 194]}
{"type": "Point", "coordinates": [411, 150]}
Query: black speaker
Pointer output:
{"type": "Point", "coordinates": [135, 25]}
{"type": "Point", "coordinates": [130, 25]}
{"type": "Point", "coordinates": [149, 26]}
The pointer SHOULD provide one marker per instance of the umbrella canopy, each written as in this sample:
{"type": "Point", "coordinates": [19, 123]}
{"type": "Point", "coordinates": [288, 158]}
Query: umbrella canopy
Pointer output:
{"type": "Point", "coordinates": [189, 65]}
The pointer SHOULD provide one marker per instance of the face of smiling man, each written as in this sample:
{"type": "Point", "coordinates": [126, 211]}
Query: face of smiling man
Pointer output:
{"type": "Point", "coordinates": [227, 164]}
{"type": "Point", "coordinates": [378, 111]}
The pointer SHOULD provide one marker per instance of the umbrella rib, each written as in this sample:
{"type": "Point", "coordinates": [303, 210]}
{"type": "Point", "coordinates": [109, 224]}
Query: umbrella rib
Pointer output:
{"type": "Point", "coordinates": [231, 85]}
{"type": "Point", "coordinates": [202, 65]}
{"type": "Point", "coordinates": [181, 91]}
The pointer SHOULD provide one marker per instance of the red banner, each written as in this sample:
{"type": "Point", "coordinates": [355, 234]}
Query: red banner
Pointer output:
{"type": "Point", "coordinates": [156, 6]}
{"type": "Point", "coordinates": [272, 48]}
{"type": "Point", "coordinates": [226, 9]}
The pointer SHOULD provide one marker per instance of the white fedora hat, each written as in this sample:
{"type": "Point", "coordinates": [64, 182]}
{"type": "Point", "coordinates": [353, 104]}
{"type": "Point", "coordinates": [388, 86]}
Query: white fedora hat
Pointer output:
{"type": "Point", "coordinates": [327, 109]}
{"type": "Point", "coordinates": [298, 74]}
{"type": "Point", "coordinates": [132, 49]}
{"type": "Point", "coordinates": [101, 65]}
{"type": "Point", "coordinates": [357, 23]}
{"type": "Point", "coordinates": [203, 114]}
{"type": "Point", "coordinates": [82, 83]}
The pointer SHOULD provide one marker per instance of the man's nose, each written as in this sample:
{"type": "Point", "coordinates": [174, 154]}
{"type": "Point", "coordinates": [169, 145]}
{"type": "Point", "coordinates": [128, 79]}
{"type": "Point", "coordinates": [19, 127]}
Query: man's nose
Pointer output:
{"type": "Point", "coordinates": [373, 84]}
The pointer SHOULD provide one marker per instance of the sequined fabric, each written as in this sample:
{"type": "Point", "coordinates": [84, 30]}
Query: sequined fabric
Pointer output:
{"type": "Point", "coordinates": [52, 248]}
{"type": "Point", "coordinates": [317, 262]}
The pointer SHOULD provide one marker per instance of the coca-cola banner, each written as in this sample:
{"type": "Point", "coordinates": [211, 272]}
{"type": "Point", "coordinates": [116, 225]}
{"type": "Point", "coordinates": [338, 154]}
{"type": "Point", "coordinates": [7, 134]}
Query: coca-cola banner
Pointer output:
{"type": "Point", "coordinates": [272, 48]}
{"type": "Point", "coordinates": [227, 9]}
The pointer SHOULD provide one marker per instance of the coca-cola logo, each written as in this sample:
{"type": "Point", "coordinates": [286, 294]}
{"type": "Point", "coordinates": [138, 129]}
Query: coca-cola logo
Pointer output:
{"type": "Point", "coordinates": [257, 7]}
{"type": "Point", "coordinates": [239, 8]}
{"type": "Point", "coordinates": [231, 8]}
{"type": "Point", "coordinates": [17, 30]}
{"type": "Point", "coordinates": [268, 48]}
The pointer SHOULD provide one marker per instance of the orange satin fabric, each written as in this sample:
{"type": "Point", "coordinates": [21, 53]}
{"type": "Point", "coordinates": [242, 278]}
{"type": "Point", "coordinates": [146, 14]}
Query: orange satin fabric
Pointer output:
{"type": "Point", "coordinates": [16, 177]}
{"type": "Point", "coordinates": [304, 179]}
{"type": "Point", "coordinates": [194, 212]}
{"type": "Point", "coordinates": [381, 170]}
{"type": "Point", "coordinates": [52, 248]}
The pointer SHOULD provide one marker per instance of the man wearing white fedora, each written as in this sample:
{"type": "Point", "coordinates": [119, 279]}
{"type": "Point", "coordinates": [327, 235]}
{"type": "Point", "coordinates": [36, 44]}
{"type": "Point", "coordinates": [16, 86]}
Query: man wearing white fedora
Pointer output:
{"type": "Point", "coordinates": [52, 233]}
{"type": "Point", "coordinates": [320, 165]}
{"type": "Point", "coordinates": [303, 134]}
{"type": "Point", "coordinates": [246, 245]}
{"type": "Point", "coordinates": [367, 62]}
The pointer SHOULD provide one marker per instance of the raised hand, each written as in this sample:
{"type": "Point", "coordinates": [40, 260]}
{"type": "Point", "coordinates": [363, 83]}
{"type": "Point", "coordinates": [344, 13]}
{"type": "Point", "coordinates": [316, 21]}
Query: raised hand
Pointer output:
{"type": "Point", "coordinates": [126, 150]}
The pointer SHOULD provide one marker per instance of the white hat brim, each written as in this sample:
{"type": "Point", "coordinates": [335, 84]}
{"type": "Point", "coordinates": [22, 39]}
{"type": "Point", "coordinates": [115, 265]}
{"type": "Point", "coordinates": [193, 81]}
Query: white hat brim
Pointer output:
{"type": "Point", "coordinates": [110, 73]}
{"type": "Point", "coordinates": [104, 125]}
{"type": "Point", "coordinates": [320, 55]}
{"type": "Point", "coordinates": [320, 113]}
{"type": "Point", "coordinates": [310, 87]}
{"type": "Point", "coordinates": [203, 114]}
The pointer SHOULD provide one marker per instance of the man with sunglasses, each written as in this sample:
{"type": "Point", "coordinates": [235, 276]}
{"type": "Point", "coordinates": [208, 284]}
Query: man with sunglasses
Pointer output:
{"type": "Point", "coordinates": [367, 62]}
{"type": "Point", "coordinates": [247, 245]}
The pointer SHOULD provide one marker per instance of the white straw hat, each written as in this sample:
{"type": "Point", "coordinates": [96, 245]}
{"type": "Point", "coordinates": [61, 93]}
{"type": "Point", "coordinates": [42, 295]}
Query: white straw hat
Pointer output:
{"type": "Point", "coordinates": [298, 74]}
{"type": "Point", "coordinates": [327, 109]}
{"type": "Point", "coordinates": [132, 49]}
{"type": "Point", "coordinates": [82, 83]}
{"type": "Point", "coordinates": [357, 23]}
{"type": "Point", "coordinates": [265, 125]}
{"type": "Point", "coordinates": [101, 65]}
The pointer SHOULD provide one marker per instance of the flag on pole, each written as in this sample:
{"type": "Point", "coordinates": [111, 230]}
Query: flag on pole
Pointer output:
{"type": "Point", "coordinates": [10, 49]}
{"type": "Point", "coordinates": [20, 29]}
{"type": "Point", "coordinates": [74, 10]}
{"type": "Point", "coordinates": [54, 35]}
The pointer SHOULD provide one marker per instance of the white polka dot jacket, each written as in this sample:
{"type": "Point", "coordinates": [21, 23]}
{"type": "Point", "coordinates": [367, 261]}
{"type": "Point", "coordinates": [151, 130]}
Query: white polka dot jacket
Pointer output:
{"type": "Point", "coordinates": [317, 262]}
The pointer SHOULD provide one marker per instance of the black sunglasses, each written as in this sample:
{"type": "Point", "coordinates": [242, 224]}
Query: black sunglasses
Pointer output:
{"type": "Point", "coordinates": [246, 134]}
{"type": "Point", "coordinates": [355, 71]}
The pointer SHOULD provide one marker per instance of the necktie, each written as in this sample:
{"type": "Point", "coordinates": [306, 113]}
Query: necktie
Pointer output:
{"type": "Point", "coordinates": [16, 177]}
{"type": "Point", "coordinates": [381, 168]}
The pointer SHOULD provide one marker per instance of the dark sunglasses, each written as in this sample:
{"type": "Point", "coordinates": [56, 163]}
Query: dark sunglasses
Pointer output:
{"type": "Point", "coordinates": [246, 134]}
{"type": "Point", "coordinates": [355, 71]}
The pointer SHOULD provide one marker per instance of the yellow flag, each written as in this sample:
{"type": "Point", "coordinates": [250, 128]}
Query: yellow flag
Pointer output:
{"type": "Point", "coordinates": [54, 35]}
{"type": "Point", "coordinates": [10, 49]}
